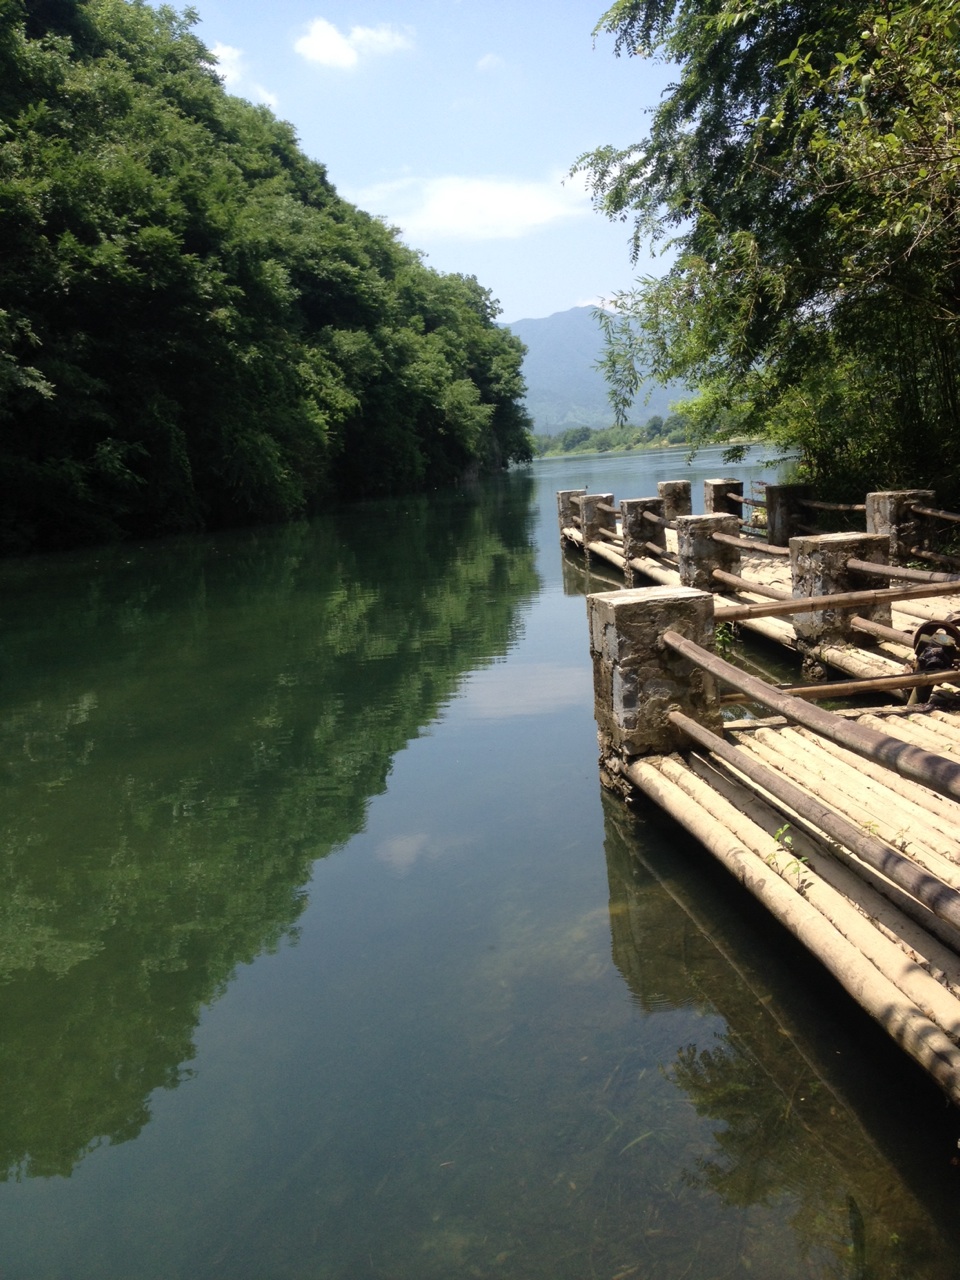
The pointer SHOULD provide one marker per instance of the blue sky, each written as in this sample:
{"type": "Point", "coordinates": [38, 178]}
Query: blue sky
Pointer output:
{"type": "Point", "coordinates": [456, 120]}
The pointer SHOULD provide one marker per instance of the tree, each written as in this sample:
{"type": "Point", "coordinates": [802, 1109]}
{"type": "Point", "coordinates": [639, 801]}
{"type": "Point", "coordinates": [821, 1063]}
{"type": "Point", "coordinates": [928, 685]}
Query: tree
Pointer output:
{"type": "Point", "coordinates": [195, 329]}
{"type": "Point", "coordinates": [806, 165]}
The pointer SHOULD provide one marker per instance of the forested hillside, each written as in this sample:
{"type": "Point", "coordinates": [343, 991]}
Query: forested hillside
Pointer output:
{"type": "Point", "coordinates": [565, 387]}
{"type": "Point", "coordinates": [195, 330]}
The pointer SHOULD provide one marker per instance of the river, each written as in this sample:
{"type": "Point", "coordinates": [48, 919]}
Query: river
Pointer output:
{"type": "Point", "coordinates": [323, 957]}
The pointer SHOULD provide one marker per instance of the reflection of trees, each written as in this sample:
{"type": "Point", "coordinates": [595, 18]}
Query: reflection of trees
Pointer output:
{"type": "Point", "coordinates": [774, 1081]}
{"type": "Point", "coordinates": [184, 730]}
{"type": "Point", "coordinates": [578, 580]}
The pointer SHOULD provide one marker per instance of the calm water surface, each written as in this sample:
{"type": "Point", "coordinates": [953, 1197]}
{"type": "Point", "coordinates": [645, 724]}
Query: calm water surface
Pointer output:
{"type": "Point", "coordinates": [322, 956]}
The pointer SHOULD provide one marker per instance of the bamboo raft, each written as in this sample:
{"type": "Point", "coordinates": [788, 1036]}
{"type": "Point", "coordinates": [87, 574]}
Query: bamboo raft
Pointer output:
{"type": "Point", "coordinates": [844, 824]}
{"type": "Point", "coordinates": [874, 642]}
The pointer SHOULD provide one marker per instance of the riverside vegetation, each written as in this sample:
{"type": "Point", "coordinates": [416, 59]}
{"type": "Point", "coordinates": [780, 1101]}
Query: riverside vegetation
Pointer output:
{"type": "Point", "coordinates": [805, 169]}
{"type": "Point", "coordinates": [195, 329]}
{"type": "Point", "coordinates": [656, 431]}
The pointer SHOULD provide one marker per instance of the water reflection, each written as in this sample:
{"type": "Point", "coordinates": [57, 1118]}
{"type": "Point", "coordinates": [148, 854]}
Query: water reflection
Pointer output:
{"type": "Point", "coordinates": [449, 1074]}
{"type": "Point", "coordinates": [787, 1133]}
{"type": "Point", "coordinates": [184, 729]}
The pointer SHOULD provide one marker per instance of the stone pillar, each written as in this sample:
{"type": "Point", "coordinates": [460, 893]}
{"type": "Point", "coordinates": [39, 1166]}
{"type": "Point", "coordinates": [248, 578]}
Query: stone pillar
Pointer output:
{"type": "Point", "coordinates": [784, 511]}
{"type": "Point", "coordinates": [637, 680]}
{"type": "Point", "coordinates": [700, 555]}
{"type": "Point", "coordinates": [568, 511]}
{"type": "Point", "coordinates": [677, 500]}
{"type": "Point", "coordinates": [818, 567]}
{"type": "Point", "coordinates": [891, 514]}
{"type": "Point", "coordinates": [637, 530]}
{"type": "Point", "coordinates": [720, 497]}
{"type": "Point", "coordinates": [593, 519]}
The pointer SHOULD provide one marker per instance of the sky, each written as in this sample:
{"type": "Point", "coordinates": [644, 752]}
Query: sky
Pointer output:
{"type": "Point", "coordinates": [457, 121]}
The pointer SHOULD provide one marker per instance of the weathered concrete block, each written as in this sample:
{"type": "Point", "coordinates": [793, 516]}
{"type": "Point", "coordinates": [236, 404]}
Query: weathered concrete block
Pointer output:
{"type": "Point", "coordinates": [593, 519]}
{"type": "Point", "coordinates": [784, 511]}
{"type": "Point", "coordinates": [677, 498]}
{"type": "Point", "coordinates": [699, 554]}
{"type": "Point", "coordinates": [818, 567]}
{"type": "Point", "coordinates": [891, 514]}
{"type": "Point", "coordinates": [637, 680]}
{"type": "Point", "coordinates": [637, 530]}
{"type": "Point", "coordinates": [723, 497]}
{"type": "Point", "coordinates": [568, 511]}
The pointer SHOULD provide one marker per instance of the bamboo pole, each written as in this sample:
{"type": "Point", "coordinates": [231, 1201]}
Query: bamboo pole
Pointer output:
{"type": "Point", "coordinates": [946, 723]}
{"type": "Point", "coordinates": [871, 628]}
{"type": "Point", "coordinates": [751, 544]}
{"type": "Point", "coordinates": [832, 506]}
{"type": "Point", "coordinates": [937, 557]}
{"type": "Point", "coordinates": [885, 792]}
{"type": "Point", "coordinates": [934, 514]}
{"type": "Point", "coordinates": [860, 664]}
{"type": "Point", "coordinates": [606, 553]}
{"type": "Point", "coordinates": [897, 915]}
{"type": "Point", "coordinates": [941, 810]}
{"type": "Point", "coordinates": [834, 904]}
{"type": "Point", "coordinates": [770, 750]}
{"type": "Point", "coordinates": [653, 569]}
{"type": "Point", "coordinates": [902, 1020]}
{"type": "Point", "coordinates": [932, 770]}
{"type": "Point", "coordinates": [917, 611]}
{"type": "Point", "coordinates": [842, 600]}
{"type": "Point", "coordinates": [660, 553]}
{"type": "Point", "coordinates": [886, 813]}
{"type": "Point", "coordinates": [746, 584]}
{"type": "Point", "coordinates": [749, 978]}
{"type": "Point", "coordinates": [750, 502]}
{"type": "Point", "coordinates": [875, 684]}
{"type": "Point", "coordinates": [919, 734]}
{"type": "Point", "coordinates": [898, 571]}
{"type": "Point", "coordinates": [940, 898]}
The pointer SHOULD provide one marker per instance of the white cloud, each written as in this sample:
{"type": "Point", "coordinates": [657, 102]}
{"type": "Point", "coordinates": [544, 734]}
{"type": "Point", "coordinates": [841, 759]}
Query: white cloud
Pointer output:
{"type": "Point", "coordinates": [231, 65]}
{"type": "Point", "coordinates": [324, 44]}
{"type": "Point", "coordinates": [263, 95]}
{"type": "Point", "coordinates": [461, 208]}
{"type": "Point", "coordinates": [536, 688]}
{"type": "Point", "coordinates": [401, 853]}
{"type": "Point", "coordinates": [259, 94]}
{"type": "Point", "coordinates": [382, 39]}
{"type": "Point", "coordinates": [491, 62]}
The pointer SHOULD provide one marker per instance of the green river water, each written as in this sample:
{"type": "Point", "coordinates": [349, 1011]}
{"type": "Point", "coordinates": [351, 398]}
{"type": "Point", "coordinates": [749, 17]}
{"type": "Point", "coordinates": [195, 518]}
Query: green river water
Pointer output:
{"type": "Point", "coordinates": [323, 957]}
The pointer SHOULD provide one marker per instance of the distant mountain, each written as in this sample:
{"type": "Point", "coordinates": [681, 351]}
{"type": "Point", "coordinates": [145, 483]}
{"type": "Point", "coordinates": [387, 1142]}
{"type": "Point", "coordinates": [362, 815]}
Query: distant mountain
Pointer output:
{"type": "Point", "coordinates": [564, 388]}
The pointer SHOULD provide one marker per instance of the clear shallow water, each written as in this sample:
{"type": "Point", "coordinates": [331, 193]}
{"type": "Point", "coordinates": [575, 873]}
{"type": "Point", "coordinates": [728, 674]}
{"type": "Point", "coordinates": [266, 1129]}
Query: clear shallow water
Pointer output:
{"type": "Point", "coordinates": [322, 954]}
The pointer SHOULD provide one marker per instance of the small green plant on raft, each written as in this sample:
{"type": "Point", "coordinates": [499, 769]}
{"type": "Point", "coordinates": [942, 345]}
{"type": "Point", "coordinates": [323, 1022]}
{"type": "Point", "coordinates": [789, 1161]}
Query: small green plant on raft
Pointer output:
{"type": "Point", "coordinates": [724, 638]}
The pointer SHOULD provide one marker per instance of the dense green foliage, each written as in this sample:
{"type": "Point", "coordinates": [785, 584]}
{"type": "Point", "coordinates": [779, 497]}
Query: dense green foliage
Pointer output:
{"type": "Point", "coordinates": [806, 163]}
{"type": "Point", "coordinates": [181, 739]}
{"type": "Point", "coordinates": [195, 330]}
{"type": "Point", "coordinates": [621, 436]}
